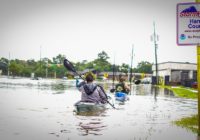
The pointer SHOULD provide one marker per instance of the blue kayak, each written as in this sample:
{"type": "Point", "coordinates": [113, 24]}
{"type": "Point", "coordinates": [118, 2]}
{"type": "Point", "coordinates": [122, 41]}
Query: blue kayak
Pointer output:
{"type": "Point", "coordinates": [121, 96]}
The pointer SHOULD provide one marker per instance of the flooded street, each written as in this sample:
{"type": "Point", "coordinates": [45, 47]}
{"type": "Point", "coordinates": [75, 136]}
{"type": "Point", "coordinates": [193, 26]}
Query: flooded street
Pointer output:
{"type": "Point", "coordinates": [43, 109]}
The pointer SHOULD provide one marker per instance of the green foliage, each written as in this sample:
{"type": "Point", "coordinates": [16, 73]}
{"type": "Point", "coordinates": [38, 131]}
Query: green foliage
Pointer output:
{"type": "Point", "coordinates": [4, 65]}
{"type": "Point", "coordinates": [103, 56]}
{"type": "Point", "coordinates": [15, 68]}
{"type": "Point", "coordinates": [26, 72]}
{"type": "Point", "coordinates": [124, 68]}
{"type": "Point", "coordinates": [4, 60]}
{"type": "Point", "coordinates": [182, 92]}
{"type": "Point", "coordinates": [190, 123]}
{"type": "Point", "coordinates": [144, 67]}
{"type": "Point", "coordinates": [25, 68]}
{"type": "Point", "coordinates": [186, 93]}
{"type": "Point", "coordinates": [61, 71]}
{"type": "Point", "coordinates": [59, 59]}
{"type": "Point", "coordinates": [101, 63]}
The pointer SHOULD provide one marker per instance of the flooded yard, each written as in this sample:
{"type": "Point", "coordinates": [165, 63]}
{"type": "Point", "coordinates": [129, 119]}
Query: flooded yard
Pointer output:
{"type": "Point", "coordinates": [43, 109]}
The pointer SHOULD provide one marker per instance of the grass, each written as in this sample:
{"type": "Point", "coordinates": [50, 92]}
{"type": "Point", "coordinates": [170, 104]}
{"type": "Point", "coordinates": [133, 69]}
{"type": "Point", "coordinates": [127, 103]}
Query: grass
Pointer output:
{"type": "Point", "coordinates": [183, 92]}
{"type": "Point", "coordinates": [190, 123]}
{"type": "Point", "coordinates": [186, 93]}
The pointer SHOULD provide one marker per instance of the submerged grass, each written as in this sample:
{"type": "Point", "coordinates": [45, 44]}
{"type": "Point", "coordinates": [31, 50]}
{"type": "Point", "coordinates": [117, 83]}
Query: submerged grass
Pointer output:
{"type": "Point", "coordinates": [183, 92]}
{"type": "Point", "coordinates": [190, 123]}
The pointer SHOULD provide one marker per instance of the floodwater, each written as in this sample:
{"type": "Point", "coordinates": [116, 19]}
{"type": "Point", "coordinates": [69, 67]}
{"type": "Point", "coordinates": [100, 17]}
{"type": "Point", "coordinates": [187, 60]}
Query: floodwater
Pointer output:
{"type": "Point", "coordinates": [43, 110]}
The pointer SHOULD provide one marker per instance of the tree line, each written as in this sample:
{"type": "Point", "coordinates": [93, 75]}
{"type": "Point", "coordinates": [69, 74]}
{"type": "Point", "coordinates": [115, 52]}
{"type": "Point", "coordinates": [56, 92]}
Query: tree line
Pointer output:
{"type": "Point", "coordinates": [46, 67]}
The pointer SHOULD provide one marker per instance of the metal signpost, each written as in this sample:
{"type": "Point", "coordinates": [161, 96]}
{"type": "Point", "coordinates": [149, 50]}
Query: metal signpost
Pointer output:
{"type": "Point", "coordinates": [188, 33]}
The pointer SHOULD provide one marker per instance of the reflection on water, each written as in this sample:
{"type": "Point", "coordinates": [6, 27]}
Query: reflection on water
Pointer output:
{"type": "Point", "coordinates": [91, 122]}
{"type": "Point", "coordinates": [91, 126]}
{"type": "Point", "coordinates": [44, 84]}
{"type": "Point", "coordinates": [43, 109]}
{"type": "Point", "coordinates": [92, 113]}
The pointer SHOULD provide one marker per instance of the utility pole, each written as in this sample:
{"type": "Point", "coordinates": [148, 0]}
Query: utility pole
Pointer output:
{"type": "Point", "coordinates": [47, 69]}
{"type": "Point", "coordinates": [40, 60]}
{"type": "Point", "coordinates": [46, 61]}
{"type": "Point", "coordinates": [113, 73]}
{"type": "Point", "coordinates": [131, 71]}
{"type": "Point", "coordinates": [155, 39]}
{"type": "Point", "coordinates": [9, 65]}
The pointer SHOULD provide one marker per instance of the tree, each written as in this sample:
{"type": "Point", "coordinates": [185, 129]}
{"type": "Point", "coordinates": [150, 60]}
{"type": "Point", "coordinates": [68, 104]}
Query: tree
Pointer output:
{"type": "Point", "coordinates": [101, 63]}
{"type": "Point", "coordinates": [15, 68]}
{"type": "Point", "coordinates": [4, 65]}
{"type": "Point", "coordinates": [25, 68]}
{"type": "Point", "coordinates": [26, 71]}
{"type": "Point", "coordinates": [31, 63]}
{"type": "Point", "coordinates": [59, 59]}
{"type": "Point", "coordinates": [103, 56]}
{"type": "Point", "coordinates": [79, 66]}
{"type": "Point", "coordinates": [144, 67]}
{"type": "Point", "coordinates": [124, 68]}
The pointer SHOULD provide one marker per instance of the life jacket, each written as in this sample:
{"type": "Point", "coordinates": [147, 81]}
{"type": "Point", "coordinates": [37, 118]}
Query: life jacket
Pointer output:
{"type": "Point", "coordinates": [120, 88]}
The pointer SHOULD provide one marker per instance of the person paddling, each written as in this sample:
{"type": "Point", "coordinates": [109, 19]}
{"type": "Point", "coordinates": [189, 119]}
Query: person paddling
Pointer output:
{"type": "Point", "coordinates": [91, 92]}
{"type": "Point", "coordinates": [122, 86]}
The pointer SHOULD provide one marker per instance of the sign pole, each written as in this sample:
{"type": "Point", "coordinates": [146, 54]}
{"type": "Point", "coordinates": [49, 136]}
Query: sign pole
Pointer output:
{"type": "Point", "coordinates": [198, 81]}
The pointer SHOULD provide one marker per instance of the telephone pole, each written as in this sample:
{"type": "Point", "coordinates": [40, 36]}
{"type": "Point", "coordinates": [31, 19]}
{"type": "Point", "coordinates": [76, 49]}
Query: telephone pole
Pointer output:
{"type": "Point", "coordinates": [131, 70]}
{"type": "Point", "coordinates": [155, 39]}
{"type": "Point", "coordinates": [9, 65]}
{"type": "Point", "coordinates": [113, 72]}
{"type": "Point", "coordinates": [40, 60]}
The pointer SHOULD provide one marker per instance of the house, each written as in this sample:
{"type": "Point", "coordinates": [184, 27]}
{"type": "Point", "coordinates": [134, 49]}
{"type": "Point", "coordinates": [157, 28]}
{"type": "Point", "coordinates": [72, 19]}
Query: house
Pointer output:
{"type": "Point", "coordinates": [175, 73]}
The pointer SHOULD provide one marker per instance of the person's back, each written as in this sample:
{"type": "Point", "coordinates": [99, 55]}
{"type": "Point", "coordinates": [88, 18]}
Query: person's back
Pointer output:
{"type": "Point", "coordinates": [121, 86]}
{"type": "Point", "coordinates": [92, 92]}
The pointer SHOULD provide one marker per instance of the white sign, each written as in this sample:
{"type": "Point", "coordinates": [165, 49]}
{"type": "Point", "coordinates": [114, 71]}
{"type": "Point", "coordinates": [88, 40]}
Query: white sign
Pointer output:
{"type": "Point", "coordinates": [188, 23]}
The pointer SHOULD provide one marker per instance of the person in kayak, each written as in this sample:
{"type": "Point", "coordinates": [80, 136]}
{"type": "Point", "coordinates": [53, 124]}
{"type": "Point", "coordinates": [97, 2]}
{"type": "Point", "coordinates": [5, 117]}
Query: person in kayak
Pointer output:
{"type": "Point", "coordinates": [91, 92]}
{"type": "Point", "coordinates": [122, 86]}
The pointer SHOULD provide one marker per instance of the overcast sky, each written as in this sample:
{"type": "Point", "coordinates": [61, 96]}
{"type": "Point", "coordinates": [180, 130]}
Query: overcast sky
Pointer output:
{"type": "Point", "coordinates": [80, 29]}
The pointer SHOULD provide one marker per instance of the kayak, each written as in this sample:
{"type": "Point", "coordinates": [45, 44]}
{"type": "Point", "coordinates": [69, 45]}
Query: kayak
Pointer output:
{"type": "Point", "coordinates": [121, 96]}
{"type": "Point", "coordinates": [89, 107]}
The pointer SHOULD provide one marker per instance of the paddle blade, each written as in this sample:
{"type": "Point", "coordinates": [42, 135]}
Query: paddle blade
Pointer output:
{"type": "Point", "coordinates": [112, 90]}
{"type": "Point", "coordinates": [137, 82]}
{"type": "Point", "coordinates": [69, 65]}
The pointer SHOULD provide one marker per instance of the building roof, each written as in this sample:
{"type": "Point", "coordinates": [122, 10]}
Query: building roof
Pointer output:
{"type": "Point", "coordinates": [177, 63]}
{"type": "Point", "coordinates": [175, 66]}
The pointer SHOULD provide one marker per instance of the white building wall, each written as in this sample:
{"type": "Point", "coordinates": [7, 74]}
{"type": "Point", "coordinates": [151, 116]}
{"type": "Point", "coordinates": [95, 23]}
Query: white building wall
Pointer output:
{"type": "Point", "coordinates": [167, 68]}
{"type": "Point", "coordinates": [176, 66]}
{"type": "Point", "coordinates": [162, 72]}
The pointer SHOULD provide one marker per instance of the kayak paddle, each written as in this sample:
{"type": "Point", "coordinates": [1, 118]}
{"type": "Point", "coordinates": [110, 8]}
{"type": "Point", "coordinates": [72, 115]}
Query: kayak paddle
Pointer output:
{"type": "Point", "coordinates": [68, 65]}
